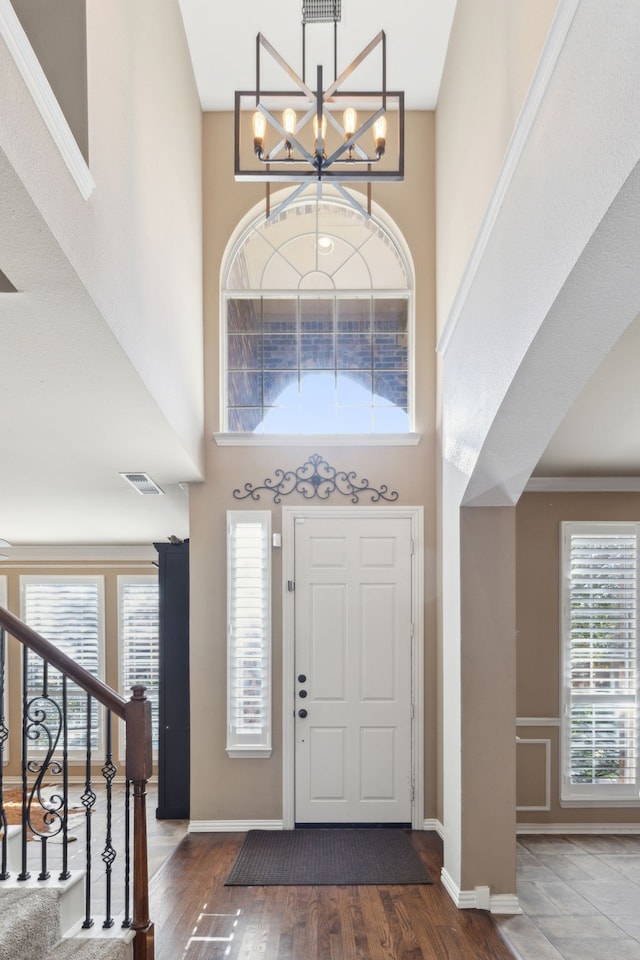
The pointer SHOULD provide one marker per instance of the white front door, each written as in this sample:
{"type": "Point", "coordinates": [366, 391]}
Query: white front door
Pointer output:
{"type": "Point", "coordinates": [353, 703]}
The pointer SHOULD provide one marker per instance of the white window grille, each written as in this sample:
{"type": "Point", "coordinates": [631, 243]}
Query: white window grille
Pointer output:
{"type": "Point", "coordinates": [599, 748]}
{"type": "Point", "coordinates": [249, 633]}
{"type": "Point", "coordinates": [68, 611]}
{"type": "Point", "coordinates": [138, 618]}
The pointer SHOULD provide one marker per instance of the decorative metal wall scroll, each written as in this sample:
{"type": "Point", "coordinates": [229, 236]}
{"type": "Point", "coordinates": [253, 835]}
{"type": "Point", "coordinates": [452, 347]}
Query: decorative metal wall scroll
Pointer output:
{"type": "Point", "coordinates": [317, 478]}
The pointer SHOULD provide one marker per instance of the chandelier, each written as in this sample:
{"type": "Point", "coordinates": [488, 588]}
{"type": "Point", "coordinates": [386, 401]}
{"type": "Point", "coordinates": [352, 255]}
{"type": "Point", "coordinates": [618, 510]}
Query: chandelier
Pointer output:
{"type": "Point", "coordinates": [319, 136]}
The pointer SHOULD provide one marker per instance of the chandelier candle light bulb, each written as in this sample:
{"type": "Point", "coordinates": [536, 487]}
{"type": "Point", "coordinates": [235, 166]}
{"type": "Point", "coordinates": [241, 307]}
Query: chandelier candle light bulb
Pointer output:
{"type": "Point", "coordinates": [324, 132]}
{"type": "Point", "coordinates": [350, 124]}
{"type": "Point", "coordinates": [289, 120]}
{"type": "Point", "coordinates": [259, 124]}
{"type": "Point", "coordinates": [380, 135]}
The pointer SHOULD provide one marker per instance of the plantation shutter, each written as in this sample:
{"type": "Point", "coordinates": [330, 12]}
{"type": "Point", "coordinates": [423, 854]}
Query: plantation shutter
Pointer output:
{"type": "Point", "coordinates": [249, 633]}
{"type": "Point", "coordinates": [601, 652]}
{"type": "Point", "coordinates": [139, 644]}
{"type": "Point", "coordinates": [67, 611]}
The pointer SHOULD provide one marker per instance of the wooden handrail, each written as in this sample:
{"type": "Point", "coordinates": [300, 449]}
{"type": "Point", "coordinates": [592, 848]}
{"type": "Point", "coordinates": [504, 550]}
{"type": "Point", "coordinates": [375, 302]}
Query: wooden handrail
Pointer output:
{"type": "Point", "coordinates": [103, 693]}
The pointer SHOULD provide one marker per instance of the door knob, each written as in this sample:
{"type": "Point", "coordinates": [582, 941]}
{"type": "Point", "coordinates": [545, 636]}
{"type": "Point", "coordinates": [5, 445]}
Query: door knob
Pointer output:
{"type": "Point", "coordinates": [302, 693]}
{"type": "Point", "coordinates": [302, 678]}
{"type": "Point", "coordinates": [302, 713]}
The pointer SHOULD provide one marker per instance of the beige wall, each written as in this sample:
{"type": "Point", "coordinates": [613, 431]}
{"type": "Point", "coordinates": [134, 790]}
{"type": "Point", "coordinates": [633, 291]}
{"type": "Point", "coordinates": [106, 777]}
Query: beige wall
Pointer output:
{"type": "Point", "coordinates": [488, 667]}
{"type": "Point", "coordinates": [109, 571]}
{"type": "Point", "coordinates": [493, 51]}
{"type": "Point", "coordinates": [538, 518]}
{"type": "Point", "coordinates": [252, 789]}
{"type": "Point", "coordinates": [57, 33]}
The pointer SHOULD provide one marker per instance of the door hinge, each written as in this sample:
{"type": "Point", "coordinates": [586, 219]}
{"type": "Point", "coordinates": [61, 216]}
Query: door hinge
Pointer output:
{"type": "Point", "coordinates": [291, 585]}
{"type": "Point", "coordinates": [412, 631]}
{"type": "Point", "coordinates": [413, 792]}
{"type": "Point", "coordinates": [412, 547]}
{"type": "Point", "coordinates": [413, 711]}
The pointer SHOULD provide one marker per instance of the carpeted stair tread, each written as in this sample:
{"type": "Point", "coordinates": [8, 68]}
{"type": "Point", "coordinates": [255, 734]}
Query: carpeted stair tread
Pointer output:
{"type": "Point", "coordinates": [81, 948]}
{"type": "Point", "coordinates": [30, 930]}
{"type": "Point", "coordinates": [29, 924]}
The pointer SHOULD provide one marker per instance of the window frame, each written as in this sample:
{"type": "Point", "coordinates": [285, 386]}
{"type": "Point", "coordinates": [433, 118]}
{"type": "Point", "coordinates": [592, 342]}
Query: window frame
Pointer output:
{"type": "Point", "coordinates": [241, 745]}
{"type": "Point", "coordinates": [98, 579]}
{"type": "Point", "coordinates": [122, 581]}
{"type": "Point", "coordinates": [592, 794]}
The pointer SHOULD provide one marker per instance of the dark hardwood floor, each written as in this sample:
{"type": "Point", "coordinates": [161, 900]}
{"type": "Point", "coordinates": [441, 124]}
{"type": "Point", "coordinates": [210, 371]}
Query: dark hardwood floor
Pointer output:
{"type": "Point", "coordinates": [198, 918]}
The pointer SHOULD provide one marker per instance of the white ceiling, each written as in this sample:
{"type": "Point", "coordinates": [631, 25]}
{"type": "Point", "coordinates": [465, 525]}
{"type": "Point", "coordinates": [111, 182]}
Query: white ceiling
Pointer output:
{"type": "Point", "coordinates": [222, 37]}
{"type": "Point", "coordinates": [73, 412]}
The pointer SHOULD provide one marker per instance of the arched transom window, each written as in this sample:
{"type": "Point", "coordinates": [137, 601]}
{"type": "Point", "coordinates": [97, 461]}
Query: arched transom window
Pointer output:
{"type": "Point", "coordinates": [317, 325]}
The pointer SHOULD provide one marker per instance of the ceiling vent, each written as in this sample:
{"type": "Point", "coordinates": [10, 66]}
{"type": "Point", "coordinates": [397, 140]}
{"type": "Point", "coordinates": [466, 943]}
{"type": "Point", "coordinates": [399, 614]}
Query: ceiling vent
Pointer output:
{"type": "Point", "coordinates": [143, 483]}
{"type": "Point", "coordinates": [321, 11]}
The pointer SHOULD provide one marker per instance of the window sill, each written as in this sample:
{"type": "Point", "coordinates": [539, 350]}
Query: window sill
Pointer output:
{"type": "Point", "coordinates": [324, 439]}
{"type": "Point", "coordinates": [249, 753]}
{"type": "Point", "coordinates": [601, 802]}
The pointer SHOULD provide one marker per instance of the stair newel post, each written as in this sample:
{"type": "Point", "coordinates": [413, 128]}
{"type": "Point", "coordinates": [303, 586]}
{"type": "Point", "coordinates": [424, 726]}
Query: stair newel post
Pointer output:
{"type": "Point", "coordinates": [4, 733]}
{"type": "Point", "coordinates": [139, 771]}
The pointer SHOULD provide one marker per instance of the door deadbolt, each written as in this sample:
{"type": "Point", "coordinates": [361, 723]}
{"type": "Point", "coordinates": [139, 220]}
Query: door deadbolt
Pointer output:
{"type": "Point", "coordinates": [302, 713]}
{"type": "Point", "coordinates": [302, 678]}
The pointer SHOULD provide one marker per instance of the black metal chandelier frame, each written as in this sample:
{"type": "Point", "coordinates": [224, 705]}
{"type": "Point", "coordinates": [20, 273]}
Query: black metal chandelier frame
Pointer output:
{"type": "Point", "coordinates": [289, 160]}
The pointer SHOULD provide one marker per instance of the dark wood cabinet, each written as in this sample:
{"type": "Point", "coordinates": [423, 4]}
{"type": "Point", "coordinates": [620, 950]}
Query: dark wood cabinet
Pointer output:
{"type": "Point", "coordinates": [173, 713]}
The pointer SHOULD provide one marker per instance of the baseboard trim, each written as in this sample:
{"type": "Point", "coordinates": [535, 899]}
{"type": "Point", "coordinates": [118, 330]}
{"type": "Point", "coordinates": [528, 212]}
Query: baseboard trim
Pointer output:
{"type": "Point", "coordinates": [480, 898]}
{"type": "Point", "coordinates": [505, 904]}
{"type": "Point", "coordinates": [434, 824]}
{"type": "Point", "coordinates": [233, 826]}
{"type": "Point", "coordinates": [581, 828]}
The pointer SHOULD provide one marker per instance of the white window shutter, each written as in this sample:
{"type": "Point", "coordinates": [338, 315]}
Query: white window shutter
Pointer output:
{"type": "Point", "coordinates": [600, 647]}
{"type": "Point", "coordinates": [69, 612]}
{"type": "Point", "coordinates": [249, 633]}
{"type": "Point", "coordinates": [139, 643]}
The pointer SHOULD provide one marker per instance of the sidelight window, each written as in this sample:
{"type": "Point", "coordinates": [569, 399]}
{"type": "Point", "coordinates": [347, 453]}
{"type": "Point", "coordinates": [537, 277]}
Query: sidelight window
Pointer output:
{"type": "Point", "coordinates": [248, 633]}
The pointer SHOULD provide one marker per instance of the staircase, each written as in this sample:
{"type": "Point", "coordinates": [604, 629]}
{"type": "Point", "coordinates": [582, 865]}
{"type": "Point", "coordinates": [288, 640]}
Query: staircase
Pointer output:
{"type": "Point", "coordinates": [32, 928]}
{"type": "Point", "coordinates": [47, 910]}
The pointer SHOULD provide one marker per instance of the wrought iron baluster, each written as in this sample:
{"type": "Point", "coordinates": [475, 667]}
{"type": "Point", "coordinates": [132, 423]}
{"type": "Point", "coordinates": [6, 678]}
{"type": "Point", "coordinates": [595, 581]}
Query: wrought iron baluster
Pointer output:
{"type": "Point", "coordinates": [109, 853]}
{"type": "Point", "coordinates": [34, 767]}
{"type": "Point", "coordinates": [42, 726]}
{"type": "Point", "coordinates": [65, 873]}
{"type": "Point", "coordinates": [88, 799]}
{"type": "Point", "coordinates": [24, 873]}
{"type": "Point", "coordinates": [4, 733]}
{"type": "Point", "coordinates": [127, 854]}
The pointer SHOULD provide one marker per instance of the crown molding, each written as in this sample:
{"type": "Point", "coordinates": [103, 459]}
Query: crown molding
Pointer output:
{"type": "Point", "coordinates": [583, 485]}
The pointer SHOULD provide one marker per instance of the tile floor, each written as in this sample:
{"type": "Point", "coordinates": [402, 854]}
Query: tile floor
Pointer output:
{"type": "Point", "coordinates": [580, 896]}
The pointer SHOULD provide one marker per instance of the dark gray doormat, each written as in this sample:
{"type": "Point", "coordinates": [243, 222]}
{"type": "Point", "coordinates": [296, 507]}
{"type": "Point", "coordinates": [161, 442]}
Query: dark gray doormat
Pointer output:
{"type": "Point", "coordinates": [313, 857]}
